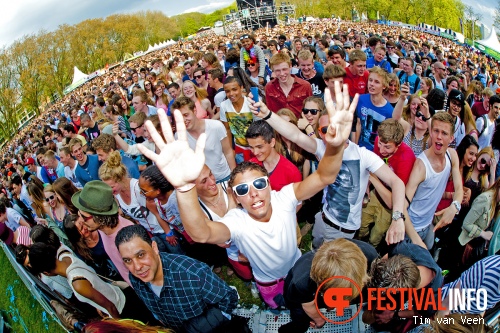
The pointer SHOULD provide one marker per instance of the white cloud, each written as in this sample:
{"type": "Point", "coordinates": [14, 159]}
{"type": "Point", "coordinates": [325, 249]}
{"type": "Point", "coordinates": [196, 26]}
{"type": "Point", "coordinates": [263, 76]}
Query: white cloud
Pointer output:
{"type": "Point", "coordinates": [210, 7]}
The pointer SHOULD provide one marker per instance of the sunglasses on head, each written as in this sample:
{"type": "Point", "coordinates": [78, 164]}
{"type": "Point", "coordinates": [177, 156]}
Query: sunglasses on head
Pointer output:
{"type": "Point", "coordinates": [244, 36]}
{"type": "Point", "coordinates": [313, 111]}
{"type": "Point", "coordinates": [420, 115]}
{"type": "Point", "coordinates": [260, 184]}
{"type": "Point", "coordinates": [50, 198]}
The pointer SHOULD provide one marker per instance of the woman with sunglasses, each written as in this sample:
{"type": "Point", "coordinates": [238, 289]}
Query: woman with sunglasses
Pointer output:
{"type": "Point", "coordinates": [128, 195]}
{"type": "Point", "coordinates": [415, 118]}
{"type": "Point", "coordinates": [57, 210]}
{"type": "Point", "coordinates": [252, 54]}
{"type": "Point", "coordinates": [148, 87]}
{"type": "Point", "coordinates": [482, 174]}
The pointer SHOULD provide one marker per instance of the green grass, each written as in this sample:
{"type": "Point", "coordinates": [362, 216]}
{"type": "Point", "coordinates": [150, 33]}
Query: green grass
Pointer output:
{"type": "Point", "coordinates": [19, 308]}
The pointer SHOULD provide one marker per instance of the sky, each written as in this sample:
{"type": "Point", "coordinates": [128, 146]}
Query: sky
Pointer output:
{"type": "Point", "coordinates": [30, 16]}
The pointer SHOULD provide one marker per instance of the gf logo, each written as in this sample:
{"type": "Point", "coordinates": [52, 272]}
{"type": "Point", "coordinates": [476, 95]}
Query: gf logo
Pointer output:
{"type": "Point", "coordinates": [338, 299]}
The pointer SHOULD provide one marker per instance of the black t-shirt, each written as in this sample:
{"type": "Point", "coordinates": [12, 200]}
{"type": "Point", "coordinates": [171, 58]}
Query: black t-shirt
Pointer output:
{"type": "Point", "coordinates": [93, 132]}
{"type": "Point", "coordinates": [317, 82]}
{"type": "Point", "coordinates": [300, 288]}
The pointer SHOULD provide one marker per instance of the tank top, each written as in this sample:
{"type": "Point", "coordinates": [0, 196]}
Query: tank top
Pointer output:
{"type": "Point", "coordinates": [200, 112]}
{"type": "Point", "coordinates": [78, 269]}
{"type": "Point", "coordinates": [429, 193]}
{"type": "Point", "coordinates": [59, 222]}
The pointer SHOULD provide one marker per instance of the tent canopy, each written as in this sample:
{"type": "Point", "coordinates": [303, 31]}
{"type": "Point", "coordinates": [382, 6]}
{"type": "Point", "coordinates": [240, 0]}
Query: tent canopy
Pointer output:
{"type": "Point", "coordinates": [78, 75]}
{"type": "Point", "coordinates": [490, 45]}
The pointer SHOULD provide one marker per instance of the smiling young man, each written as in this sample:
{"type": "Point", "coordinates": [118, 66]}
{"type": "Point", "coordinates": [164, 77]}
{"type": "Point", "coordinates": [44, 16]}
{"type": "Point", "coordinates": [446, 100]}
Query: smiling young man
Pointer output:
{"type": "Point", "coordinates": [236, 116]}
{"type": "Point", "coordinates": [378, 60]}
{"type": "Point", "coordinates": [88, 165]}
{"type": "Point", "coordinates": [264, 230]}
{"type": "Point", "coordinates": [286, 90]}
{"type": "Point", "coordinates": [183, 293]}
{"type": "Point", "coordinates": [309, 74]}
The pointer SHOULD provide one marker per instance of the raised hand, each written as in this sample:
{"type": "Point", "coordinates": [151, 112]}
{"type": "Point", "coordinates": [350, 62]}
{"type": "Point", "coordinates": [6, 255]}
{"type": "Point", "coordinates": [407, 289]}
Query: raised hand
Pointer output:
{"type": "Point", "coordinates": [340, 115]}
{"type": "Point", "coordinates": [176, 160]}
{"type": "Point", "coordinates": [259, 109]}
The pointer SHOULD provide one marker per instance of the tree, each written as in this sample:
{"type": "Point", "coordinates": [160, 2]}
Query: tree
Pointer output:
{"type": "Point", "coordinates": [496, 21]}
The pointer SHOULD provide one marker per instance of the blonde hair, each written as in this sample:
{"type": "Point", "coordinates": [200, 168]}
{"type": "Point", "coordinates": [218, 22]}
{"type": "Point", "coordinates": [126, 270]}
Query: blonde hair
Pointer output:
{"type": "Point", "coordinates": [113, 168]}
{"type": "Point", "coordinates": [383, 75]}
{"type": "Point", "coordinates": [390, 130]}
{"type": "Point", "coordinates": [333, 71]}
{"type": "Point", "coordinates": [199, 93]}
{"type": "Point", "coordinates": [340, 257]}
{"type": "Point", "coordinates": [305, 55]}
{"type": "Point", "coordinates": [484, 175]}
{"type": "Point", "coordinates": [279, 58]}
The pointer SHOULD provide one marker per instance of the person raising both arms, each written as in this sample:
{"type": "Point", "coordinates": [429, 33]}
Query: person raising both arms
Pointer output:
{"type": "Point", "coordinates": [264, 231]}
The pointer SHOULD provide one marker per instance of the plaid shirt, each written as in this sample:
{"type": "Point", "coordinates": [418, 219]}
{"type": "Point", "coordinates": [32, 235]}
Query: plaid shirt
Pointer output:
{"type": "Point", "coordinates": [189, 286]}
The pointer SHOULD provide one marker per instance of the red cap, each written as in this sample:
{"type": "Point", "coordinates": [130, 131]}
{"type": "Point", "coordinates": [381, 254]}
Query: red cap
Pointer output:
{"type": "Point", "coordinates": [29, 161]}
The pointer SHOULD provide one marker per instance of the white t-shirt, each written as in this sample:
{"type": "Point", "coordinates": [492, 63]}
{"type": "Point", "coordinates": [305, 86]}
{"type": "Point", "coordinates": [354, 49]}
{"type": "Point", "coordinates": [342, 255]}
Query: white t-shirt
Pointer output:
{"type": "Point", "coordinates": [343, 200]}
{"type": "Point", "coordinates": [219, 98]}
{"type": "Point", "coordinates": [137, 209]}
{"type": "Point", "coordinates": [214, 156]}
{"type": "Point", "coordinates": [271, 247]}
{"type": "Point", "coordinates": [485, 139]}
{"type": "Point", "coordinates": [70, 174]}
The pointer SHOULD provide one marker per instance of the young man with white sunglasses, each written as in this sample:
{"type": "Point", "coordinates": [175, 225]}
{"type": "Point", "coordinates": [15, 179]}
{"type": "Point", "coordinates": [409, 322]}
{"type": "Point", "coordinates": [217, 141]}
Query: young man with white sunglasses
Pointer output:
{"type": "Point", "coordinates": [264, 230]}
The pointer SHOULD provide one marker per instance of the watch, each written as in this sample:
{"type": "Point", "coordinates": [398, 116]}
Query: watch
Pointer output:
{"type": "Point", "coordinates": [457, 206]}
{"type": "Point", "coordinates": [397, 215]}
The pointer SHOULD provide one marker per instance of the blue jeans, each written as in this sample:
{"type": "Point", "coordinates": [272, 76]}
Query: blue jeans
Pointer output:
{"type": "Point", "coordinates": [164, 246]}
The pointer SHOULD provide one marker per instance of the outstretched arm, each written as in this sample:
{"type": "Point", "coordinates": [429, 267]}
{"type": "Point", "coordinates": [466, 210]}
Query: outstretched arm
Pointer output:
{"type": "Point", "coordinates": [181, 166]}
{"type": "Point", "coordinates": [339, 128]}
{"type": "Point", "coordinates": [283, 127]}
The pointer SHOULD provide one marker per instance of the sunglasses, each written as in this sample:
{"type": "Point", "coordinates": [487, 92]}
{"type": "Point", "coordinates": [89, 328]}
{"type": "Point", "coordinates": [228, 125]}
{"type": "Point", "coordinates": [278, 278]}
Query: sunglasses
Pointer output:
{"type": "Point", "coordinates": [260, 184]}
{"type": "Point", "coordinates": [244, 37]}
{"type": "Point", "coordinates": [85, 218]}
{"type": "Point", "coordinates": [133, 129]}
{"type": "Point", "coordinates": [421, 116]}
{"type": "Point", "coordinates": [198, 76]}
{"type": "Point", "coordinates": [324, 129]}
{"type": "Point", "coordinates": [252, 65]}
{"type": "Point", "coordinates": [313, 111]}
{"type": "Point", "coordinates": [482, 161]}
{"type": "Point", "coordinates": [49, 198]}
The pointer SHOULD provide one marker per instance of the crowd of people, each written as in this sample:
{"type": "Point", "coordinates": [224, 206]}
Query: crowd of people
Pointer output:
{"type": "Point", "coordinates": [127, 196]}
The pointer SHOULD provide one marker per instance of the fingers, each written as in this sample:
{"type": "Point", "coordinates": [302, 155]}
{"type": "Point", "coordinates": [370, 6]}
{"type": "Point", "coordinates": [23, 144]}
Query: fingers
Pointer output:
{"type": "Point", "coordinates": [165, 126]}
{"type": "Point", "coordinates": [347, 98]}
{"type": "Point", "coordinates": [354, 104]}
{"type": "Point", "coordinates": [330, 107]}
{"type": "Point", "coordinates": [148, 153]}
{"type": "Point", "coordinates": [180, 126]}
{"type": "Point", "coordinates": [158, 140]}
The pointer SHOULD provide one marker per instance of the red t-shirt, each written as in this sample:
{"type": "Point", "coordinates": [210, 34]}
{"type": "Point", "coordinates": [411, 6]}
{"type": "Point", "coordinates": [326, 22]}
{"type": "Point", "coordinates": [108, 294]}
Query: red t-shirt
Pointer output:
{"type": "Point", "coordinates": [401, 162]}
{"type": "Point", "coordinates": [357, 84]}
{"type": "Point", "coordinates": [276, 99]}
{"type": "Point", "coordinates": [283, 174]}
{"type": "Point", "coordinates": [478, 109]}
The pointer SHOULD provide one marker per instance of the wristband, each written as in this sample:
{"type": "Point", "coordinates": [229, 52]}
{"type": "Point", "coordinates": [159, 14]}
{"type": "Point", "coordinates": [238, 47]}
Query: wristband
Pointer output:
{"type": "Point", "coordinates": [171, 233]}
{"type": "Point", "coordinates": [268, 116]}
{"type": "Point", "coordinates": [185, 188]}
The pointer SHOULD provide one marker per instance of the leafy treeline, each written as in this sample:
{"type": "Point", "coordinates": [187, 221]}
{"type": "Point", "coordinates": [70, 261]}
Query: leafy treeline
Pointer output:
{"type": "Point", "coordinates": [37, 67]}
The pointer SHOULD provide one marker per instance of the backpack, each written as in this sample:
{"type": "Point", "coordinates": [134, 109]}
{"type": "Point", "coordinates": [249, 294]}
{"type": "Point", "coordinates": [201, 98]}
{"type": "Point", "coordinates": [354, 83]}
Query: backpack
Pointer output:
{"type": "Point", "coordinates": [485, 123]}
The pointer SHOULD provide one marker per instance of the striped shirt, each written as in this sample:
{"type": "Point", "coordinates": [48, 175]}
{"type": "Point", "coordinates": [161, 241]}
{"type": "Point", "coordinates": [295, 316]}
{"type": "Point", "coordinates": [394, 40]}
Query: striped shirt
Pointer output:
{"type": "Point", "coordinates": [483, 274]}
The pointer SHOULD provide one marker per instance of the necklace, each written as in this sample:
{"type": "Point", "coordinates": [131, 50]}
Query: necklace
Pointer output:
{"type": "Point", "coordinates": [218, 198]}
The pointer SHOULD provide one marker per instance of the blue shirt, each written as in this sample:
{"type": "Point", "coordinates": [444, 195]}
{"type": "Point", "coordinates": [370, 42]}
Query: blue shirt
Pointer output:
{"type": "Point", "coordinates": [189, 287]}
{"type": "Point", "coordinates": [384, 64]}
{"type": "Point", "coordinates": [132, 168]}
{"type": "Point", "coordinates": [413, 80]}
{"type": "Point", "coordinates": [370, 117]}
{"type": "Point", "coordinates": [89, 171]}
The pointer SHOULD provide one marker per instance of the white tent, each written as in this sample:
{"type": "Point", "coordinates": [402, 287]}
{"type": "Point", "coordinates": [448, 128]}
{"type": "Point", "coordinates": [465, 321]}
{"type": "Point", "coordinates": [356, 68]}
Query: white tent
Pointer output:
{"type": "Point", "coordinates": [490, 45]}
{"type": "Point", "coordinates": [78, 76]}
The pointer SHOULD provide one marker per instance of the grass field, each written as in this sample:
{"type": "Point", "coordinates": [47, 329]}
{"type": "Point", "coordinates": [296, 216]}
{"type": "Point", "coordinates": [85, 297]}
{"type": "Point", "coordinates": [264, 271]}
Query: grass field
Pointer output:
{"type": "Point", "coordinates": [19, 308]}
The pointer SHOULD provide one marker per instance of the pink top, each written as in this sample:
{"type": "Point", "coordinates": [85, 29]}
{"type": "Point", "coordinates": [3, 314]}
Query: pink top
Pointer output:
{"type": "Point", "coordinates": [110, 248]}
{"type": "Point", "coordinates": [200, 112]}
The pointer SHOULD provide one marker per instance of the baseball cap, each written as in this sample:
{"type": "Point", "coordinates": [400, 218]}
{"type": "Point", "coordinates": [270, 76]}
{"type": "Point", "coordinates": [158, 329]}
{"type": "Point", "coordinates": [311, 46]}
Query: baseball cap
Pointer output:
{"type": "Point", "coordinates": [29, 161]}
{"type": "Point", "coordinates": [456, 95]}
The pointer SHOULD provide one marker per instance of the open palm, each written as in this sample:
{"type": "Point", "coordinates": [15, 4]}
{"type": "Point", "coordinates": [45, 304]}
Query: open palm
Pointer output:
{"type": "Point", "coordinates": [340, 115]}
{"type": "Point", "coordinates": [176, 160]}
